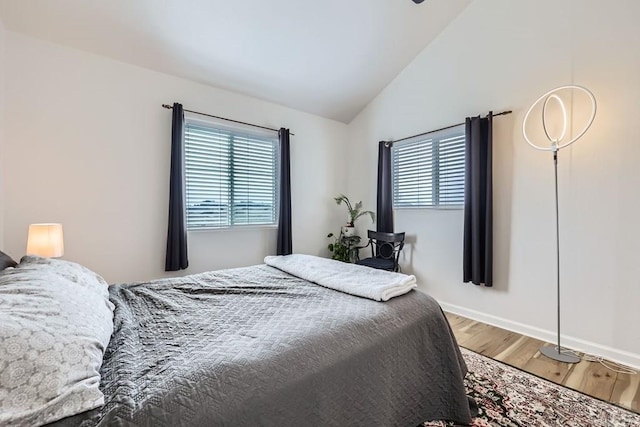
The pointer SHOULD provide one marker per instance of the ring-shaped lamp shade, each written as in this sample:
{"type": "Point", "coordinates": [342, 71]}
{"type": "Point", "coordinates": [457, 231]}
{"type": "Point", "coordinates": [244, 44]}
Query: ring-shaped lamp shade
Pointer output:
{"type": "Point", "coordinates": [556, 98]}
{"type": "Point", "coordinates": [547, 97]}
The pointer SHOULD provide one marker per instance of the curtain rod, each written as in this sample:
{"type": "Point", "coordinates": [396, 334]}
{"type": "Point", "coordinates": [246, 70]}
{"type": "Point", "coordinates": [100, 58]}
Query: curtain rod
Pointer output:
{"type": "Point", "coordinates": [446, 127]}
{"type": "Point", "coordinates": [170, 107]}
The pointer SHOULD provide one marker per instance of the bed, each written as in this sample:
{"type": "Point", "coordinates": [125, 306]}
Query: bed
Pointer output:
{"type": "Point", "coordinates": [259, 346]}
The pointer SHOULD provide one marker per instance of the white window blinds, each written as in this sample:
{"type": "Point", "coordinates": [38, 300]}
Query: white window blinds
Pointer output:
{"type": "Point", "coordinates": [231, 177]}
{"type": "Point", "coordinates": [429, 170]}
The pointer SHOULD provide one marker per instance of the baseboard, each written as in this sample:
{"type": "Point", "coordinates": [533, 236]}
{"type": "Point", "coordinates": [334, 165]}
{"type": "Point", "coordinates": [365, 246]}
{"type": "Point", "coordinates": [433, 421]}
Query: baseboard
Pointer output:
{"type": "Point", "coordinates": [620, 356]}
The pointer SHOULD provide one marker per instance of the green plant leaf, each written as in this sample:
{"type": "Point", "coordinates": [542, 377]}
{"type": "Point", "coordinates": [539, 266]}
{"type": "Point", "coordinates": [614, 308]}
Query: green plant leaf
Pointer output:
{"type": "Point", "coordinates": [355, 211]}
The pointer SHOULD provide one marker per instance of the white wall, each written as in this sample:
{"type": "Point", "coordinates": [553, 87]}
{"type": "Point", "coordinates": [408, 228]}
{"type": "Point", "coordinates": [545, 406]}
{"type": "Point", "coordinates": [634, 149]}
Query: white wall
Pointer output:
{"type": "Point", "coordinates": [2, 78]}
{"type": "Point", "coordinates": [88, 146]}
{"type": "Point", "coordinates": [501, 54]}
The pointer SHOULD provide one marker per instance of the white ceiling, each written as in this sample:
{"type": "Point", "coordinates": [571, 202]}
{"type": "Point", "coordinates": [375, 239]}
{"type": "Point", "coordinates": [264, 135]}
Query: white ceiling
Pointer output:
{"type": "Point", "coordinates": [326, 57]}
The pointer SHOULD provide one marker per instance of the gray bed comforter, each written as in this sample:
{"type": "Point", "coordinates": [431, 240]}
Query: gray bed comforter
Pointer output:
{"type": "Point", "coordinates": [257, 347]}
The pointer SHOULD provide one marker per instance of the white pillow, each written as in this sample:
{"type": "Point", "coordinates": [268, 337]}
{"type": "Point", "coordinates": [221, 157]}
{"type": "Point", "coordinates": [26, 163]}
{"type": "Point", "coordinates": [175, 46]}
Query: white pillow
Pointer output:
{"type": "Point", "coordinates": [55, 323]}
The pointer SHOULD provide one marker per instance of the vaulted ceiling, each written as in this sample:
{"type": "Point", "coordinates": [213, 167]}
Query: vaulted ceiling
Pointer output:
{"type": "Point", "coordinates": [328, 57]}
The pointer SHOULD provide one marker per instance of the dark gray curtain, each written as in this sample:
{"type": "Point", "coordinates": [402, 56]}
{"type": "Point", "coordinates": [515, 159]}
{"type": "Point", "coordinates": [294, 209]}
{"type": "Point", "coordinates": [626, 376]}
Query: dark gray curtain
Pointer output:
{"type": "Point", "coordinates": [176, 258]}
{"type": "Point", "coordinates": [284, 216]}
{"type": "Point", "coordinates": [384, 206]}
{"type": "Point", "coordinates": [478, 202]}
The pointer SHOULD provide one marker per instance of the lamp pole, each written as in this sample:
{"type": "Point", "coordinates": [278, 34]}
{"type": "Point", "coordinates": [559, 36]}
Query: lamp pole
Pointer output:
{"type": "Point", "coordinates": [551, 352]}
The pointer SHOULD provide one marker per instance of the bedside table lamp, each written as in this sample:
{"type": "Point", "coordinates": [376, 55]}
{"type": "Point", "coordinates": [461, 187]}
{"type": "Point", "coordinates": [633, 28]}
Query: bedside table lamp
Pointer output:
{"type": "Point", "coordinates": [45, 240]}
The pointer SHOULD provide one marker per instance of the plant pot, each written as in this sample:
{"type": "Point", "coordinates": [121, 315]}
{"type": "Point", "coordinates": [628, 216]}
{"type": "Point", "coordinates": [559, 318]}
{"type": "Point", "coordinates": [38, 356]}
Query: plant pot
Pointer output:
{"type": "Point", "coordinates": [348, 231]}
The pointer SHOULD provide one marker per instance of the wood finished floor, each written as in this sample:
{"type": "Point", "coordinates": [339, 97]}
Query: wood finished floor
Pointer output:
{"type": "Point", "coordinates": [522, 352]}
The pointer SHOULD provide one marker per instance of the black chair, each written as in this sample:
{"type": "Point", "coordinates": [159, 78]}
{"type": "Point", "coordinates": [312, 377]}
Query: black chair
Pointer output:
{"type": "Point", "coordinates": [385, 250]}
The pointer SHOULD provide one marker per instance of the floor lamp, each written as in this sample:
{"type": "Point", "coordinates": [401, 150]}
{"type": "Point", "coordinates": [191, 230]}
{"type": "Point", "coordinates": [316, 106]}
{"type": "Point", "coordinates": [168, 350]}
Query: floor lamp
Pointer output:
{"type": "Point", "coordinates": [555, 143]}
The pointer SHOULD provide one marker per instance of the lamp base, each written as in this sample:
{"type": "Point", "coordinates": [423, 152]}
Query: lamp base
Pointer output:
{"type": "Point", "coordinates": [556, 354]}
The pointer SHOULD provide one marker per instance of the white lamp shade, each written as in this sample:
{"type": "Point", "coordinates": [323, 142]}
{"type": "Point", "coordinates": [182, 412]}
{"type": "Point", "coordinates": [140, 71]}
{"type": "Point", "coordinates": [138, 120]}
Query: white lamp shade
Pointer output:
{"type": "Point", "coordinates": [45, 240]}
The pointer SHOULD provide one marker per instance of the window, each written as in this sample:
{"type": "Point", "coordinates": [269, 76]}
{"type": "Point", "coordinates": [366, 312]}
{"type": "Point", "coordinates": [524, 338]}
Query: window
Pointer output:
{"type": "Point", "coordinates": [231, 176]}
{"type": "Point", "coordinates": [428, 170]}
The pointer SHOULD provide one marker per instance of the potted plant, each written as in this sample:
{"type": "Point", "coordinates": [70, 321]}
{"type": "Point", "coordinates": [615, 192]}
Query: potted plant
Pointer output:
{"type": "Point", "coordinates": [355, 212]}
{"type": "Point", "coordinates": [343, 248]}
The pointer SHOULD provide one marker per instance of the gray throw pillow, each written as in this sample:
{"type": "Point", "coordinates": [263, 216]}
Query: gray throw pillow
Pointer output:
{"type": "Point", "coordinates": [55, 323]}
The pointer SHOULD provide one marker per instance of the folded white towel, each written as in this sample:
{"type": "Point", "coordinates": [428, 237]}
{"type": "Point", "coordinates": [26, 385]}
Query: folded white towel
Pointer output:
{"type": "Point", "coordinates": [378, 285]}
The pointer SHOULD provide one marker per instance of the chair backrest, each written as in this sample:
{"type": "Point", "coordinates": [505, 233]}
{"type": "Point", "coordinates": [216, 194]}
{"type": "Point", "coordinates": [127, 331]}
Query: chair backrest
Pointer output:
{"type": "Point", "coordinates": [386, 245]}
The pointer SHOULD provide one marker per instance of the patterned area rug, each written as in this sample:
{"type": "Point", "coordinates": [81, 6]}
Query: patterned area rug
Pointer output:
{"type": "Point", "coordinates": [507, 396]}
